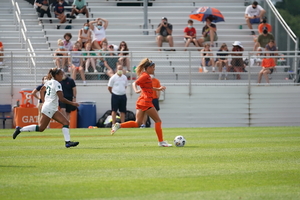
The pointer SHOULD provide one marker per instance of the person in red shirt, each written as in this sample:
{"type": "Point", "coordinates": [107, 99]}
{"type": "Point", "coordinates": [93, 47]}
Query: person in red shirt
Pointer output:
{"type": "Point", "coordinates": [190, 34]}
{"type": "Point", "coordinates": [1, 54]}
{"type": "Point", "coordinates": [267, 65]}
{"type": "Point", "coordinates": [144, 103]}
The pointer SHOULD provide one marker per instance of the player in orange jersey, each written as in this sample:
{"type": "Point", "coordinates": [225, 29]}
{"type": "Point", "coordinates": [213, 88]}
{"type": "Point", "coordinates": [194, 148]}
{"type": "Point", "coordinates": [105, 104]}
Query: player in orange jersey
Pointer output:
{"type": "Point", "coordinates": [144, 103]}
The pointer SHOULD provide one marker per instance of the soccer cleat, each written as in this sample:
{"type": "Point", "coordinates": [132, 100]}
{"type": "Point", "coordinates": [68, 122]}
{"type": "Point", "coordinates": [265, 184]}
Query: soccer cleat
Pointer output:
{"type": "Point", "coordinates": [164, 144]}
{"type": "Point", "coordinates": [17, 132]}
{"type": "Point", "coordinates": [115, 128]}
{"type": "Point", "coordinates": [71, 144]}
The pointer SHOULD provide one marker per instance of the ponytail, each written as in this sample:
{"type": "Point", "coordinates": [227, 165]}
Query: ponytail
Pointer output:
{"type": "Point", "coordinates": [144, 64]}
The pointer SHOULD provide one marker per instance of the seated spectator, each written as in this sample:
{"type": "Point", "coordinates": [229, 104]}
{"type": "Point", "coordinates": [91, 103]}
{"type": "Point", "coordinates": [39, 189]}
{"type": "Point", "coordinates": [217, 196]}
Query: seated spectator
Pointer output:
{"type": "Point", "coordinates": [254, 14]}
{"type": "Point", "coordinates": [263, 39]}
{"type": "Point", "coordinates": [190, 34]}
{"type": "Point", "coordinates": [110, 61]}
{"type": "Point", "coordinates": [1, 54]}
{"type": "Point", "coordinates": [206, 59]}
{"type": "Point", "coordinates": [237, 63]}
{"type": "Point", "coordinates": [164, 31]}
{"type": "Point", "coordinates": [209, 32]}
{"type": "Point", "coordinates": [90, 58]}
{"type": "Point", "coordinates": [67, 43]}
{"type": "Point", "coordinates": [264, 24]}
{"type": "Point", "coordinates": [222, 60]}
{"type": "Point", "coordinates": [76, 63]}
{"type": "Point", "coordinates": [79, 6]}
{"type": "Point", "coordinates": [268, 66]}
{"type": "Point", "coordinates": [123, 57]}
{"type": "Point", "coordinates": [98, 31]}
{"type": "Point", "coordinates": [84, 35]}
{"type": "Point", "coordinates": [42, 7]}
{"type": "Point", "coordinates": [59, 12]}
{"type": "Point", "coordinates": [60, 52]}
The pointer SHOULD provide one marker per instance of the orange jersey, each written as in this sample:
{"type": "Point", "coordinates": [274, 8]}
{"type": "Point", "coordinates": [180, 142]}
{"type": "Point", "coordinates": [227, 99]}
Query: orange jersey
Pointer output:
{"type": "Point", "coordinates": [155, 84]}
{"type": "Point", "coordinates": [145, 83]}
{"type": "Point", "coordinates": [268, 62]}
{"type": "Point", "coordinates": [262, 25]}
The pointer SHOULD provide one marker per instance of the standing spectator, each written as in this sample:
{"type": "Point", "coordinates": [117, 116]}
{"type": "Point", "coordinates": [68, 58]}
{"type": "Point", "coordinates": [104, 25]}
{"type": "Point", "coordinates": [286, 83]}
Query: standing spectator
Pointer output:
{"type": "Point", "coordinates": [98, 31]}
{"type": "Point", "coordinates": [40, 102]}
{"type": "Point", "coordinates": [1, 53]}
{"type": "Point", "coordinates": [84, 35]}
{"type": "Point", "coordinates": [79, 6]}
{"type": "Point", "coordinates": [60, 52]}
{"type": "Point", "coordinates": [50, 108]}
{"type": "Point", "coordinates": [207, 60]}
{"type": "Point", "coordinates": [42, 7]}
{"type": "Point", "coordinates": [67, 42]}
{"type": "Point", "coordinates": [164, 31]}
{"type": "Point", "coordinates": [268, 65]}
{"type": "Point", "coordinates": [190, 34]}
{"type": "Point", "coordinates": [209, 32]}
{"type": "Point", "coordinates": [76, 63]}
{"type": "Point", "coordinates": [59, 12]}
{"type": "Point", "coordinates": [222, 59]}
{"type": "Point", "coordinates": [144, 103]}
{"type": "Point", "coordinates": [90, 58]}
{"type": "Point", "coordinates": [70, 93]}
{"type": "Point", "coordinates": [263, 39]}
{"type": "Point", "coordinates": [117, 85]}
{"type": "Point", "coordinates": [237, 63]}
{"type": "Point", "coordinates": [123, 57]}
{"type": "Point", "coordinates": [264, 24]}
{"type": "Point", "coordinates": [254, 14]}
{"type": "Point", "coordinates": [111, 61]}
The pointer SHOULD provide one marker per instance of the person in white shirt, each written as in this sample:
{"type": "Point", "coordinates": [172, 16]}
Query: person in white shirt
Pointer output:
{"type": "Point", "coordinates": [254, 14]}
{"type": "Point", "coordinates": [117, 85]}
{"type": "Point", "coordinates": [53, 93]}
{"type": "Point", "coordinates": [98, 32]}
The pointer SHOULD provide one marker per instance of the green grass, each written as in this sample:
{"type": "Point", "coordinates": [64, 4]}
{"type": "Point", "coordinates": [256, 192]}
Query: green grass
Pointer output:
{"type": "Point", "coordinates": [216, 163]}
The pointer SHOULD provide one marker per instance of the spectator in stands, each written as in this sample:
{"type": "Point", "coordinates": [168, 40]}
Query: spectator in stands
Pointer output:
{"type": "Point", "coordinates": [272, 48]}
{"type": "Point", "coordinates": [70, 92]}
{"type": "Point", "coordinates": [99, 35]}
{"type": "Point", "coordinates": [1, 53]}
{"type": "Point", "coordinates": [190, 34]}
{"type": "Point", "coordinates": [254, 14]}
{"type": "Point", "coordinates": [264, 24]}
{"type": "Point", "coordinates": [67, 43]}
{"type": "Point", "coordinates": [263, 39]}
{"type": "Point", "coordinates": [76, 62]}
{"type": "Point", "coordinates": [59, 12]}
{"type": "Point", "coordinates": [85, 35]}
{"type": "Point", "coordinates": [164, 31]}
{"type": "Point", "coordinates": [123, 57]}
{"type": "Point", "coordinates": [90, 58]}
{"type": "Point", "coordinates": [117, 85]}
{"type": "Point", "coordinates": [209, 32]}
{"type": "Point", "coordinates": [79, 6]}
{"type": "Point", "coordinates": [268, 65]}
{"type": "Point", "coordinates": [42, 7]}
{"type": "Point", "coordinates": [222, 59]}
{"type": "Point", "coordinates": [206, 59]}
{"type": "Point", "coordinates": [60, 52]}
{"type": "Point", "coordinates": [237, 63]}
{"type": "Point", "coordinates": [111, 61]}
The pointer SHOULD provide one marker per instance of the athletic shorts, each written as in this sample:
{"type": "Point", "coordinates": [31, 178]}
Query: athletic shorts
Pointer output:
{"type": "Point", "coordinates": [48, 112]}
{"type": "Point", "coordinates": [143, 108]}
{"type": "Point", "coordinates": [118, 102]}
{"type": "Point", "coordinates": [156, 104]}
{"type": "Point", "coordinates": [68, 107]}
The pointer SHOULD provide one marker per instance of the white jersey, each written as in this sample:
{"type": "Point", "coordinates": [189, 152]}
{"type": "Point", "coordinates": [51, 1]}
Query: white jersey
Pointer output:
{"type": "Point", "coordinates": [251, 11]}
{"type": "Point", "coordinates": [51, 98]}
{"type": "Point", "coordinates": [97, 34]}
{"type": "Point", "coordinates": [118, 84]}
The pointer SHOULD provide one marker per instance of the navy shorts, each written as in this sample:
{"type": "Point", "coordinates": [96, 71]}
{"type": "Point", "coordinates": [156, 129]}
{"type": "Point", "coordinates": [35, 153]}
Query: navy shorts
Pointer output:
{"type": "Point", "coordinates": [118, 102]}
{"type": "Point", "coordinates": [255, 21]}
{"type": "Point", "coordinates": [156, 104]}
{"type": "Point", "coordinates": [68, 107]}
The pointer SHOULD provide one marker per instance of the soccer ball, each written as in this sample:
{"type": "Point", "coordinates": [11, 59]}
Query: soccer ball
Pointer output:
{"type": "Point", "coordinates": [179, 141]}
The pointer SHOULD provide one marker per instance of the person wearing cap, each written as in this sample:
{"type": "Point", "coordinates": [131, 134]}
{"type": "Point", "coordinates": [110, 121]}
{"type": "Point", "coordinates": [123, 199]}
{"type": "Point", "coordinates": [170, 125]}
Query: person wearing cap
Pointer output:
{"type": "Point", "coordinates": [254, 14]}
{"type": "Point", "coordinates": [237, 63]}
{"type": "Point", "coordinates": [164, 31]}
{"type": "Point", "coordinates": [263, 39]}
{"type": "Point", "coordinates": [1, 53]}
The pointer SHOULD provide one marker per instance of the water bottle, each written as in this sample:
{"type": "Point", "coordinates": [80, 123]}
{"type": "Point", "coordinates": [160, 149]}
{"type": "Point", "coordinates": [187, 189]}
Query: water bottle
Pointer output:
{"type": "Point", "coordinates": [134, 69]}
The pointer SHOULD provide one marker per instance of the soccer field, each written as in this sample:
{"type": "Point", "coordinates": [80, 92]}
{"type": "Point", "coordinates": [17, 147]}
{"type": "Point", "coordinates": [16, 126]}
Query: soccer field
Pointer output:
{"type": "Point", "coordinates": [216, 163]}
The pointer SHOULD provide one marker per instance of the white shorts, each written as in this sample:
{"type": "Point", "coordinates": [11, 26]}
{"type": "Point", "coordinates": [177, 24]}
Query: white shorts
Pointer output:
{"type": "Point", "coordinates": [48, 111]}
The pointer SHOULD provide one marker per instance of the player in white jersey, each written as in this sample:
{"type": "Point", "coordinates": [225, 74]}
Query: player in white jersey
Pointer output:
{"type": "Point", "coordinates": [50, 110]}
{"type": "Point", "coordinates": [98, 32]}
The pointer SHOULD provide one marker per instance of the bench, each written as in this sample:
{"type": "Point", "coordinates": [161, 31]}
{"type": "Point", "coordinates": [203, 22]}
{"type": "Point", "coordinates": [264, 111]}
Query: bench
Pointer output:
{"type": "Point", "coordinates": [5, 108]}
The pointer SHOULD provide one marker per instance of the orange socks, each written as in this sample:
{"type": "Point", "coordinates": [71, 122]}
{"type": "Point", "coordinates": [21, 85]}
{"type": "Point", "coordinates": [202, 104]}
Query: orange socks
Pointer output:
{"type": "Point", "coordinates": [158, 131]}
{"type": "Point", "coordinates": [129, 124]}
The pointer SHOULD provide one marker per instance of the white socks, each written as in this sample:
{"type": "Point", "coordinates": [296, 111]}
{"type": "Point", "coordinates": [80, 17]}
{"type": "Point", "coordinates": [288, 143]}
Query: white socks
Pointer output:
{"type": "Point", "coordinates": [29, 128]}
{"type": "Point", "coordinates": [66, 132]}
